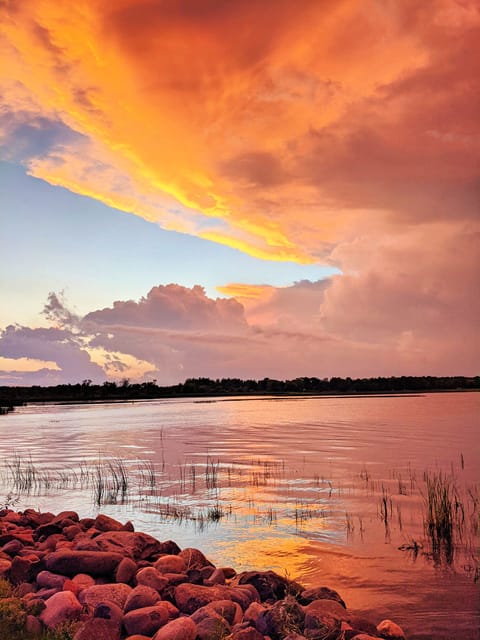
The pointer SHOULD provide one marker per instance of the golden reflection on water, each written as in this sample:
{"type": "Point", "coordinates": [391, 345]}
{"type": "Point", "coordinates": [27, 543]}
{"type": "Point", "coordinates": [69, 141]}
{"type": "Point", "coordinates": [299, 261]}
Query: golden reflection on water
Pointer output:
{"type": "Point", "coordinates": [287, 556]}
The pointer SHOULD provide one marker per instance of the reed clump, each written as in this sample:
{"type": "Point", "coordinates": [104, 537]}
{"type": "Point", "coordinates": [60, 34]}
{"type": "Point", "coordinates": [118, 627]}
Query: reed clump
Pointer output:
{"type": "Point", "coordinates": [444, 513]}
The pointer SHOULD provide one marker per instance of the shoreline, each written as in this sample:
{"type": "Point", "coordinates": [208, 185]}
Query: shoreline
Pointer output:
{"type": "Point", "coordinates": [235, 397]}
{"type": "Point", "coordinates": [99, 578]}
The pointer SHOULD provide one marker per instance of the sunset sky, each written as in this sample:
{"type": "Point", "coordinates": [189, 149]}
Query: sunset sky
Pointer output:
{"type": "Point", "coordinates": [235, 188]}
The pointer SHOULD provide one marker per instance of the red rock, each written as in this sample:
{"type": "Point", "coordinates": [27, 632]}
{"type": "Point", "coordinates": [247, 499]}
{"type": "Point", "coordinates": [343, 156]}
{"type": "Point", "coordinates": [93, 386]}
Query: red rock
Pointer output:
{"type": "Point", "coordinates": [136, 545]}
{"type": "Point", "coordinates": [254, 611]}
{"type": "Point", "coordinates": [72, 531]}
{"type": "Point", "coordinates": [115, 592]}
{"type": "Point", "coordinates": [12, 547]}
{"type": "Point", "coordinates": [109, 611]}
{"type": "Point", "coordinates": [4, 567]}
{"type": "Point", "coordinates": [227, 609]}
{"type": "Point", "coordinates": [169, 547]}
{"type": "Point", "coordinates": [98, 629]}
{"type": "Point", "coordinates": [33, 626]}
{"type": "Point", "coordinates": [228, 572]}
{"type": "Point", "coordinates": [105, 523]}
{"type": "Point", "coordinates": [212, 628]}
{"type": "Point", "coordinates": [190, 597]}
{"type": "Point", "coordinates": [170, 564]}
{"type": "Point", "coordinates": [150, 577]}
{"type": "Point", "coordinates": [217, 577]}
{"type": "Point", "coordinates": [50, 543]}
{"type": "Point", "coordinates": [146, 621]}
{"type": "Point", "coordinates": [95, 563]}
{"type": "Point", "coordinates": [175, 579]}
{"type": "Point", "coordinates": [390, 630]}
{"type": "Point", "coordinates": [70, 585]}
{"type": "Point", "coordinates": [83, 580]}
{"type": "Point", "coordinates": [282, 617]}
{"type": "Point", "coordinates": [320, 593]}
{"type": "Point", "coordinates": [141, 597]}
{"type": "Point", "coordinates": [64, 515]}
{"type": "Point", "coordinates": [324, 617]}
{"type": "Point", "coordinates": [86, 523]}
{"type": "Point", "coordinates": [85, 543]}
{"type": "Point", "coordinates": [249, 633]}
{"type": "Point", "coordinates": [45, 530]}
{"type": "Point", "coordinates": [34, 519]}
{"type": "Point", "coordinates": [23, 569]}
{"type": "Point", "coordinates": [46, 593]}
{"type": "Point", "coordinates": [61, 607]}
{"type": "Point", "coordinates": [50, 580]}
{"type": "Point", "coordinates": [126, 570]}
{"type": "Point", "coordinates": [326, 607]}
{"type": "Point", "coordinates": [25, 536]}
{"type": "Point", "coordinates": [206, 572]}
{"type": "Point", "coordinates": [23, 588]}
{"type": "Point", "coordinates": [11, 516]}
{"type": "Point", "coordinates": [179, 629]}
{"type": "Point", "coordinates": [269, 585]}
{"type": "Point", "coordinates": [194, 559]}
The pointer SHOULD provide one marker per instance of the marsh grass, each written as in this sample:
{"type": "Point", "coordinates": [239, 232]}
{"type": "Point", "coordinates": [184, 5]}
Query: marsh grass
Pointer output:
{"type": "Point", "coordinates": [435, 509]}
{"type": "Point", "coordinates": [444, 514]}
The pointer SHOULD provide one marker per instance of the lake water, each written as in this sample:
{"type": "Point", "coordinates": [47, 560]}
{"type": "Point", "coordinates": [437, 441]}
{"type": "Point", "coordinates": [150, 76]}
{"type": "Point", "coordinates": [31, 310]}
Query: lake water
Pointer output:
{"type": "Point", "coordinates": [330, 491]}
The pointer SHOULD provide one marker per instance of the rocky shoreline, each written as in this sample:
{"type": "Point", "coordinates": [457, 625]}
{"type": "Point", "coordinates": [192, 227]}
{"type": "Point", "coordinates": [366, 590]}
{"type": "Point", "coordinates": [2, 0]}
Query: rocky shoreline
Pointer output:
{"type": "Point", "coordinates": [108, 582]}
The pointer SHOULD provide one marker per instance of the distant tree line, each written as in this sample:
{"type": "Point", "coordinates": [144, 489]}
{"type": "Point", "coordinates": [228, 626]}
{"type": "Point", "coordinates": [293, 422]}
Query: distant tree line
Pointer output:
{"type": "Point", "coordinates": [88, 392]}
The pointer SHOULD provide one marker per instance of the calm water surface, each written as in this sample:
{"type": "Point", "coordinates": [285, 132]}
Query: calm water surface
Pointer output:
{"type": "Point", "coordinates": [323, 489]}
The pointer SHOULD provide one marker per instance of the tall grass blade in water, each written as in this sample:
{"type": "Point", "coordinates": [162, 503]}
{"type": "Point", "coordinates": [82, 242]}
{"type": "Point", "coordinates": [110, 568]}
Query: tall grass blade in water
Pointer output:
{"type": "Point", "coordinates": [443, 509]}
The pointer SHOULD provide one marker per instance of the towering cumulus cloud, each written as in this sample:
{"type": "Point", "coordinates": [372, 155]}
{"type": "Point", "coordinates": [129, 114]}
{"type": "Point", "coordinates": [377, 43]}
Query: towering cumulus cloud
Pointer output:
{"type": "Point", "coordinates": [344, 132]}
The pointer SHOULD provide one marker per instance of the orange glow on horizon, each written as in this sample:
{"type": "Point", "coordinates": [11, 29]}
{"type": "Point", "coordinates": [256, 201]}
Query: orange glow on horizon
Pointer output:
{"type": "Point", "coordinates": [25, 364]}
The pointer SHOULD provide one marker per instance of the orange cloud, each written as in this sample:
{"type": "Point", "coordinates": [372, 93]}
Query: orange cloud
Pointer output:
{"type": "Point", "coordinates": [268, 127]}
{"type": "Point", "coordinates": [246, 291]}
{"type": "Point", "coordinates": [25, 364]}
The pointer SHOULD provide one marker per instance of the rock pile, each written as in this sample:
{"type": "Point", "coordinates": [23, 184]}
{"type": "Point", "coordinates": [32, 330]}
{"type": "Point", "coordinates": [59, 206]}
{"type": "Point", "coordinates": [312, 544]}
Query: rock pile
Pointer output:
{"type": "Point", "coordinates": [121, 584]}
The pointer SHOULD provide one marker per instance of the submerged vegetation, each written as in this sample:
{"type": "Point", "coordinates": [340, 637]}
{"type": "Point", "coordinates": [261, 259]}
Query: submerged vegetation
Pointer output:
{"type": "Point", "coordinates": [111, 391]}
